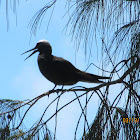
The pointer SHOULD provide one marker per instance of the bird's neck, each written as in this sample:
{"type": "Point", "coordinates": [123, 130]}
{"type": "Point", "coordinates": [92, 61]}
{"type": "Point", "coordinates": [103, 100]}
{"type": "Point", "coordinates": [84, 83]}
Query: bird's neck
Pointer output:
{"type": "Point", "coordinates": [47, 56]}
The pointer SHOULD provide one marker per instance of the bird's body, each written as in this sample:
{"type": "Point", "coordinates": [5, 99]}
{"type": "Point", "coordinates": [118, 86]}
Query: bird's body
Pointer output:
{"type": "Point", "coordinates": [58, 70]}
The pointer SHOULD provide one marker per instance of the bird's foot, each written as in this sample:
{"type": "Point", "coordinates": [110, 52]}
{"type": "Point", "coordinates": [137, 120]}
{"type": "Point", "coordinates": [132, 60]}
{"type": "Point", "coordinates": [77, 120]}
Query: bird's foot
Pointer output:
{"type": "Point", "coordinates": [58, 90]}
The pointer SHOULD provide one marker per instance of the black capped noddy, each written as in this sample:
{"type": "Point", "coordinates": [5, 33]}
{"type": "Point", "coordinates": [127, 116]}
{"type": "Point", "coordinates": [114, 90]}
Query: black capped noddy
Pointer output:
{"type": "Point", "coordinates": [58, 70]}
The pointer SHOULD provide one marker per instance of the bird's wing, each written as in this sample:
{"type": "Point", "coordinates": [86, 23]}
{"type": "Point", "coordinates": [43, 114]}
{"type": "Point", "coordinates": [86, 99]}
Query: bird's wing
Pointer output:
{"type": "Point", "coordinates": [66, 65]}
{"type": "Point", "coordinates": [62, 72]}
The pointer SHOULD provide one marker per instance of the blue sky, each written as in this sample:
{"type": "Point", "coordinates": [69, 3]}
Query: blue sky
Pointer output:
{"type": "Point", "coordinates": [22, 80]}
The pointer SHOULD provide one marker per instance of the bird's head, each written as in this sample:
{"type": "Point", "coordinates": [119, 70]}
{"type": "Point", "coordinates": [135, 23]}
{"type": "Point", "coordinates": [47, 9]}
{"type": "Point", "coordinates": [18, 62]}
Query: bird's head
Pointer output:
{"type": "Point", "coordinates": [42, 46]}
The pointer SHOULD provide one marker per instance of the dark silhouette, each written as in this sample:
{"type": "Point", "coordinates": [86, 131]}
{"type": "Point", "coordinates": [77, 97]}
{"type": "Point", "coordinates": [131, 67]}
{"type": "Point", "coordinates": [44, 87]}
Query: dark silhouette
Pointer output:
{"type": "Point", "coordinates": [58, 70]}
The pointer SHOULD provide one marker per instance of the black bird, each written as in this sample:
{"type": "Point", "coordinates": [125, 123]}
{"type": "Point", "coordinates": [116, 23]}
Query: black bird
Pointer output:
{"type": "Point", "coordinates": [58, 70]}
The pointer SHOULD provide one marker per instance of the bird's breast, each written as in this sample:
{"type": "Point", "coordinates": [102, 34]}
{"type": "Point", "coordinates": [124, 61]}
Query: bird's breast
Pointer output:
{"type": "Point", "coordinates": [56, 71]}
{"type": "Point", "coordinates": [49, 70]}
{"type": "Point", "coordinates": [45, 65]}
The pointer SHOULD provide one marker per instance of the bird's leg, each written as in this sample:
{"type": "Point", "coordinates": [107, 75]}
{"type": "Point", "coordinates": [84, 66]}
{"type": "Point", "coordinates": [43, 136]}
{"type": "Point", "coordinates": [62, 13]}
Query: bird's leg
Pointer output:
{"type": "Point", "coordinates": [60, 89]}
{"type": "Point", "coordinates": [54, 87]}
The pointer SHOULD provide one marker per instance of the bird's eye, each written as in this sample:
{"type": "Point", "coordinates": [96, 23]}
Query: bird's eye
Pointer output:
{"type": "Point", "coordinates": [38, 44]}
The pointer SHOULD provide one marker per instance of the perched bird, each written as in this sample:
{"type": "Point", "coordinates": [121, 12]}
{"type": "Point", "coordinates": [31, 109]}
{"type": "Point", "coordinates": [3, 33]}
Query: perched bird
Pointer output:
{"type": "Point", "coordinates": [58, 70]}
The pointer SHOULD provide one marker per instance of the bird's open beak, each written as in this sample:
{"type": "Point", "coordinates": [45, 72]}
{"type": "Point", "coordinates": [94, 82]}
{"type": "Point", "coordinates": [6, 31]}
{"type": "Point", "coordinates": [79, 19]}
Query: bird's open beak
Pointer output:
{"type": "Point", "coordinates": [35, 50]}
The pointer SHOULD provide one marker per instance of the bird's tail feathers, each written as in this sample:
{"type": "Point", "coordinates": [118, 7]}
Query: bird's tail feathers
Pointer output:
{"type": "Point", "coordinates": [91, 78]}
